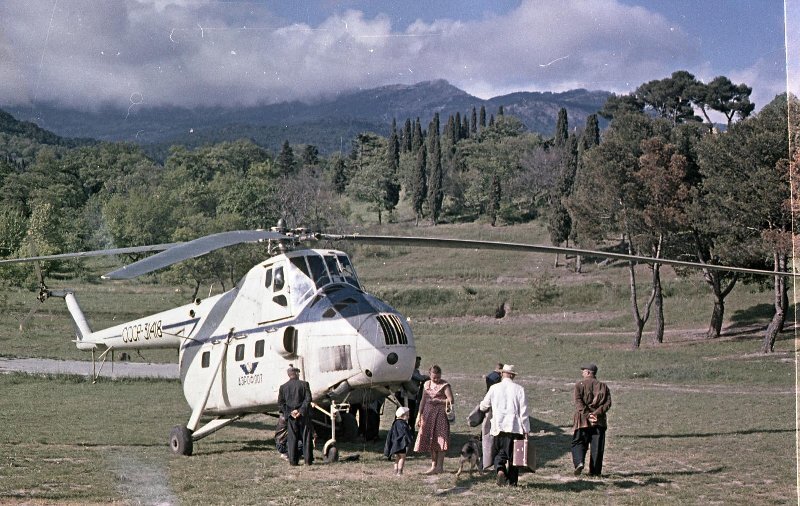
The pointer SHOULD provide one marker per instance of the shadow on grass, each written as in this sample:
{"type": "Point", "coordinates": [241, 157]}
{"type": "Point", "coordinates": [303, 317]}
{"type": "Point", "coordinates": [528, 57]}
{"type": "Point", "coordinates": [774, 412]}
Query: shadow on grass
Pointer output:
{"type": "Point", "coordinates": [650, 474]}
{"type": "Point", "coordinates": [758, 313]}
{"type": "Point", "coordinates": [707, 434]}
{"type": "Point", "coordinates": [618, 480]}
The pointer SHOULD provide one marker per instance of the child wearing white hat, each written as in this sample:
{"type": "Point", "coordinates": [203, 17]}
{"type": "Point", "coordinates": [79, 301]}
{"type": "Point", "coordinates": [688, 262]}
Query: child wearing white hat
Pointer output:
{"type": "Point", "coordinates": [399, 439]}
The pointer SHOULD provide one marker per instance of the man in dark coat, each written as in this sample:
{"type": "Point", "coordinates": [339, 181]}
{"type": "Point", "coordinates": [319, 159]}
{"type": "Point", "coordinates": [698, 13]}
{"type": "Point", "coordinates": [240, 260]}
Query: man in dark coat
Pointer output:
{"type": "Point", "coordinates": [294, 401]}
{"type": "Point", "coordinates": [592, 402]}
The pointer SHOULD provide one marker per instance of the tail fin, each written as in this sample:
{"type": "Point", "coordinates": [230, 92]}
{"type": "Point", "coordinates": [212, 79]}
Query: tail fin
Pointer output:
{"type": "Point", "coordinates": [75, 311]}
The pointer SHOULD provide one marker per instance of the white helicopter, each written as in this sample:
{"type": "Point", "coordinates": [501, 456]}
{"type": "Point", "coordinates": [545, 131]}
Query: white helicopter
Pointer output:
{"type": "Point", "coordinates": [300, 307]}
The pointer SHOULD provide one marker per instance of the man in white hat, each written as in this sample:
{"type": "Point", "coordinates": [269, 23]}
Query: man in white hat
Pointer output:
{"type": "Point", "coordinates": [509, 422]}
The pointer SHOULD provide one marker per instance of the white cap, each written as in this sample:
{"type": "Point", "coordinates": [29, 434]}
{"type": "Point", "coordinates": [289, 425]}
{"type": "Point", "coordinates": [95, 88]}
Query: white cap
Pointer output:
{"type": "Point", "coordinates": [401, 412]}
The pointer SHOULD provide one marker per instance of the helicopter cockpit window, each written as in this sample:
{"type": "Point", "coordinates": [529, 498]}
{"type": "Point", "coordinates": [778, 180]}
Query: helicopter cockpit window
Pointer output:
{"type": "Point", "coordinates": [318, 272]}
{"type": "Point", "coordinates": [348, 271]}
{"type": "Point", "coordinates": [279, 280]}
{"type": "Point", "coordinates": [268, 278]}
{"type": "Point", "coordinates": [300, 263]}
{"type": "Point", "coordinates": [333, 266]}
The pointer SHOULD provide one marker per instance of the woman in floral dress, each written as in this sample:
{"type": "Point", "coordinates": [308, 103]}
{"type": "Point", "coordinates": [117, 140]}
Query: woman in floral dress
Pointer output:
{"type": "Point", "coordinates": [434, 429]}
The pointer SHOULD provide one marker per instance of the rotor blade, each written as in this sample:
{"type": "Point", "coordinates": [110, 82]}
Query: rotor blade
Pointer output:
{"type": "Point", "coordinates": [95, 253]}
{"type": "Point", "coordinates": [192, 249]}
{"type": "Point", "coordinates": [434, 242]}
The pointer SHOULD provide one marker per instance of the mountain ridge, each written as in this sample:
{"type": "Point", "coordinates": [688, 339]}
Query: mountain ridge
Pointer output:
{"type": "Point", "coordinates": [326, 122]}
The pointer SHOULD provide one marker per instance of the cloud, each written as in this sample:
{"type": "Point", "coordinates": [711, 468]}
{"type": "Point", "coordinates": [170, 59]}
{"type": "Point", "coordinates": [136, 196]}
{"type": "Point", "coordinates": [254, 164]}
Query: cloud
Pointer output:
{"type": "Point", "coordinates": [88, 54]}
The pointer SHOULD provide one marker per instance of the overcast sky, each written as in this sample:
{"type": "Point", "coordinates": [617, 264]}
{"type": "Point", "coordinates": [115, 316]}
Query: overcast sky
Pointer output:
{"type": "Point", "coordinates": [88, 53]}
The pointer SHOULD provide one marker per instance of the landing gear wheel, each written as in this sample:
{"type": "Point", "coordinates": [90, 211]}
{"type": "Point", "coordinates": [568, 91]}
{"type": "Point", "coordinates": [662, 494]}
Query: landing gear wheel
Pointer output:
{"type": "Point", "coordinates": [180, 440]}
{"type": "Point", "coordinates": [331, 455]}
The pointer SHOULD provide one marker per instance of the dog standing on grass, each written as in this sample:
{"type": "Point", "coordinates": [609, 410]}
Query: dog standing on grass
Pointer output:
{"type": "Point", "coordinates": [470, 455]}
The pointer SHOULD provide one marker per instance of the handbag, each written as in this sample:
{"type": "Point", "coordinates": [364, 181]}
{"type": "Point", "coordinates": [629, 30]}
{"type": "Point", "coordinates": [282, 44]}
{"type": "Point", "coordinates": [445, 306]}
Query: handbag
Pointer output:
{"type": "Point", "coordinates": [450, 411]}
{"type": "Point", "coordinates": [524, 455]}
{"type": "Point", "coordinates": [476, 417]}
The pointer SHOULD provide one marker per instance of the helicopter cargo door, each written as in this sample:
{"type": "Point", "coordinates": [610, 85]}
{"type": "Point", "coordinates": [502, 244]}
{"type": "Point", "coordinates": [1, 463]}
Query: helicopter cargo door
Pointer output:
{"type": "Point", "coordinates": [277, 302]}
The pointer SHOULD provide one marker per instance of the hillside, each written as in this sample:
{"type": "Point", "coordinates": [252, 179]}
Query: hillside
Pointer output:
{"type": "Point", "coordinates": [328, 123]}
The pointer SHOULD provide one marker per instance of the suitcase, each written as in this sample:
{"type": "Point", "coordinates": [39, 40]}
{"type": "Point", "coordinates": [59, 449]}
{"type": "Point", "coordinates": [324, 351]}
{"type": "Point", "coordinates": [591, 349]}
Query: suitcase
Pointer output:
{"type": "Point", "coordinates": [524, 455]}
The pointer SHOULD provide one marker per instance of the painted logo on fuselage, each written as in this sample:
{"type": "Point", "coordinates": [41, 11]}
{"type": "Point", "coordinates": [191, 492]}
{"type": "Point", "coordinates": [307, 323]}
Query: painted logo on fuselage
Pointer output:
{"type": "Point", "coordinates": [250, 377]}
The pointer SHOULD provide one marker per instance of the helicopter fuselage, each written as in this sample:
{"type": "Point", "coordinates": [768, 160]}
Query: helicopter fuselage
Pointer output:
{"type": "Point", "coordinates": [304, 309]}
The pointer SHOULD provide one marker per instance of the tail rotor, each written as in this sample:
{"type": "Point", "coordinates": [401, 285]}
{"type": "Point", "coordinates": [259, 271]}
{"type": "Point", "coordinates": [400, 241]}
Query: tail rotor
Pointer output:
{"type": "Point", "coordinates": [43, 295]}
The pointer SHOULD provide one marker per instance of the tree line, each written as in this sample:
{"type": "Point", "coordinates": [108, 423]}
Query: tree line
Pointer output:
{"type": "Point", "coordinates": [661, 180]}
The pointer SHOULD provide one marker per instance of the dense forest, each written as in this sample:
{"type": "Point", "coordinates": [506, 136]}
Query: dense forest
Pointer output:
{"type": "Point", "coordinates": [662, 180]}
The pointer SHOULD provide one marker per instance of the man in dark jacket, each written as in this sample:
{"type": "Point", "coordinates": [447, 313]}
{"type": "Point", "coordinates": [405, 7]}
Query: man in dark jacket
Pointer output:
{"type": "Point", "coordinates": [592, 402]}
{"type": "Point", "coordinates": [294, 401]}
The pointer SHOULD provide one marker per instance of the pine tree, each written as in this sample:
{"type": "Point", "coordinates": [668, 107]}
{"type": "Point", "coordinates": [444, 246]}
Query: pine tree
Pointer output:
{"type": "Point", "coordinates": [500, 111]}
{"type": "Point", "coordinates": [286, 162]}
{"type": "Point", "coordinates": [482, 118]}
{"type": "Point", "coordinates": [310, 155]}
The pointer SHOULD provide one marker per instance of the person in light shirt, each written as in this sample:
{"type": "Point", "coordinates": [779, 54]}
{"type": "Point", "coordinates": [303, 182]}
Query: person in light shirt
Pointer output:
{"type": "Point", "coordinates": [509, 422]}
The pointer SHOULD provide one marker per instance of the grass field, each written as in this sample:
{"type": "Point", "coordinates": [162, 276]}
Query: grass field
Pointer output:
{"type": "Point", "coordinates": [694, 421]}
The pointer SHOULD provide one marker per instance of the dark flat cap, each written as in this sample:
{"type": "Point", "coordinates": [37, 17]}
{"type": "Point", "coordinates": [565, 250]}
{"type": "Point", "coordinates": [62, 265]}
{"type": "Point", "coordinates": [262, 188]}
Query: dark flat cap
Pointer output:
{"type": "Point", "coordinates": [590, 367]}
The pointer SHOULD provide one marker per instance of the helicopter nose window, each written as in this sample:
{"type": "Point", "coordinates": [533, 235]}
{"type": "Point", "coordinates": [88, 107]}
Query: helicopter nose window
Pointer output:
{"type": "Point", "coordinates": [348, 271]}
{"type": "Point", "coordinates": [278, 286]}
{"type": "Point", "coordinates": [333, 266]}
{"type": "Point", "coordinates": [318, 272]}
{"type": "Point", "coordinates": [268, 278]}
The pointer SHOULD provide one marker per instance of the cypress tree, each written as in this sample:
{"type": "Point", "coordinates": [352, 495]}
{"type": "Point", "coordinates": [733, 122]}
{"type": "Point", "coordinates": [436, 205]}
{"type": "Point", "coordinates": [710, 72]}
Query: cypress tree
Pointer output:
{"type": "Point", "coordinates": [393, 161]}
{"type": "Point", "coordinates": [457, 127]}
{"type": "Point", "coordinates": [339, 175]}
{"type": "Point", "coordinates": [420, 190]}
{"type": "Point", "coordinates": [416, 137]}
{"type": "Point", "coordinates": [435, 190]}
{"type": "Point", "coordinates": [591, 134]}
{"type": "Point", "coordinates": [562, 128]}
{"type": "Point", "coordinates": [473, 124]}
{"type": "Point", "coordinates": [495, 195]}
{"type": "Point", "coordinates": [482, 117]}
{"type": "Point", "coordinates": [407, 136]}
{"type": "Point", "coordinates": [500, 111]}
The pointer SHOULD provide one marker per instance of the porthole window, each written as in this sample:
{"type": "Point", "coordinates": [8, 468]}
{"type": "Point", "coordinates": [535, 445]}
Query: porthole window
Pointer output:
{"type": "Point", "coordinates": [259, 348]}
{"type": "Point", "coordinates": [239, 352]}
{"type": "Point", "coordinates": [206, 360]}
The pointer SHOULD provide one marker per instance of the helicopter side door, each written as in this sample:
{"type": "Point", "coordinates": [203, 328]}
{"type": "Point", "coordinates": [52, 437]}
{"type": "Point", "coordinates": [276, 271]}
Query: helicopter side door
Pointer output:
{"type": "Point", "coordinates": [277, 301]}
